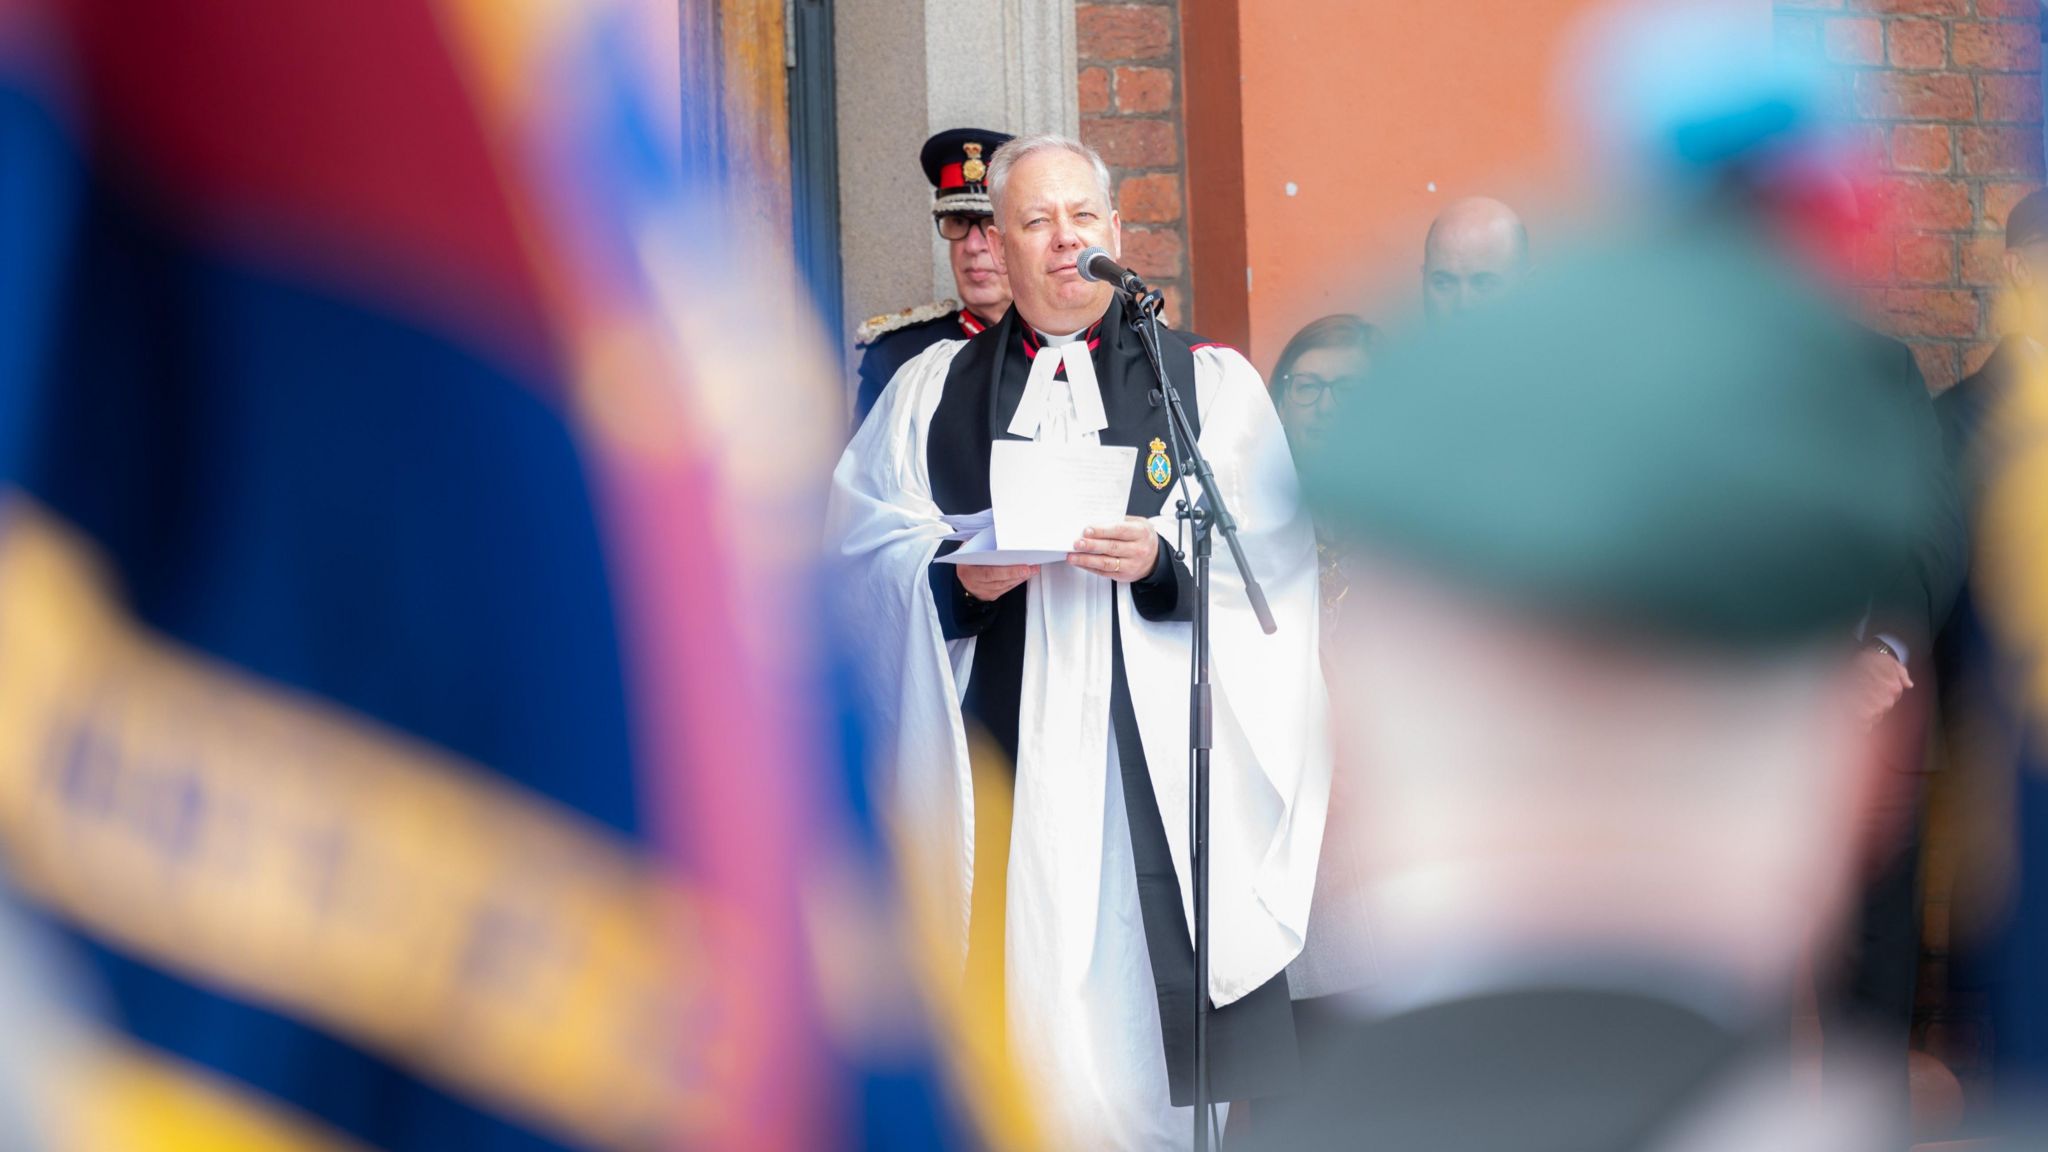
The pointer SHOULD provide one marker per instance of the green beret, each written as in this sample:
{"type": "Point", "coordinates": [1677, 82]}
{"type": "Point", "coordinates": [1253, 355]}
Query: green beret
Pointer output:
{"type": "Point", "coordinates": [1680, 435]}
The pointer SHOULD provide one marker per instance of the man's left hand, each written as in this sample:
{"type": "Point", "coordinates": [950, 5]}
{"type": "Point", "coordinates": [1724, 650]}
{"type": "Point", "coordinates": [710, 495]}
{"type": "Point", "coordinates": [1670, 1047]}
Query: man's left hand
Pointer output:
{"type": "Point", "coordinates": [1124, 551]}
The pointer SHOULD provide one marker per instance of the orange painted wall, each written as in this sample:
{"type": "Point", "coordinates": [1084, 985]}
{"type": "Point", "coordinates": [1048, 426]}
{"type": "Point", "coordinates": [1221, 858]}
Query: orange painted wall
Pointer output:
{"type": "Point", "coordinates": [1363, 104]}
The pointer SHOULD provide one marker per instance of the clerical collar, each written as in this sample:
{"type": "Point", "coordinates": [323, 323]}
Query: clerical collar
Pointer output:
{"type": "Point", "coordinates": [1034, 339]}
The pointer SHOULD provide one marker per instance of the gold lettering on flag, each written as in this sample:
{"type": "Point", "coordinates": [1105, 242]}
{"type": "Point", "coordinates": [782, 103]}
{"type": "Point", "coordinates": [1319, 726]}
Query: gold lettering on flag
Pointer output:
{"type": "Point", "coordinates": [246, 837]}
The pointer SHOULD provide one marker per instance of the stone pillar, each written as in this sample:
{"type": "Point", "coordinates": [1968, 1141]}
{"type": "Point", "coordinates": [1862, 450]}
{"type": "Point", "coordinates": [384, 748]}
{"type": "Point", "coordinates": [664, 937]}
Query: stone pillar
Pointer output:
{"type": "Point", "coordinates": [906, 71]}
{"type": "Point", "coordinates": [1002, 64]}
{"type": "Point", "coordinates": [884, 202]}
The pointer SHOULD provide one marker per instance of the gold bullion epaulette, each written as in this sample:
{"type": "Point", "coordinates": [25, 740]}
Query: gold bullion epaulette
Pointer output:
{"type": "Point", "coordinates": [875, 327]}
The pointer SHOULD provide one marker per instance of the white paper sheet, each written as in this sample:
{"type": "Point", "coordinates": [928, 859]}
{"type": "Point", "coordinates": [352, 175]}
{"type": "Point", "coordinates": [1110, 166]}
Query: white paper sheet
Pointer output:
{"type": "Point", "coordinates": [1046, 495]}
{"type": "Point", "coordinates": [981, 549]}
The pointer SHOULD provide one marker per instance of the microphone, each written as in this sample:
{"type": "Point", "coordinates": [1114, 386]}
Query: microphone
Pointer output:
{"type": "Point", "coordinates": [1096, 264]}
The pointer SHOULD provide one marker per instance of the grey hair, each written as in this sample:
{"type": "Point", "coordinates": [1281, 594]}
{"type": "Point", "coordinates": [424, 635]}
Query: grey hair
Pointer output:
{"type": "Point", "coordinates": [1013, 153]}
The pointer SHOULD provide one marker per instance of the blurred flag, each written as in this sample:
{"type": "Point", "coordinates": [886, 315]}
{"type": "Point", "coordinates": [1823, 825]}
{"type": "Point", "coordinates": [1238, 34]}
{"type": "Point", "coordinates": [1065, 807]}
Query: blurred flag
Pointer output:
{"type": "Point", "coordinates": [409, 698]}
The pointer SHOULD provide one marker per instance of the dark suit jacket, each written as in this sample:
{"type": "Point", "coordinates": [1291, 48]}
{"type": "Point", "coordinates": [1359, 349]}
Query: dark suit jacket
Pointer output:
{"type": "Point", "coordinates": [1963, 410]}
{"type": "Point", "coordinates": [1875, 989]}
{"type": "Point", "coordinates": [1913, 602]}
{"type": "Point", "coordinates": [1963, 413]}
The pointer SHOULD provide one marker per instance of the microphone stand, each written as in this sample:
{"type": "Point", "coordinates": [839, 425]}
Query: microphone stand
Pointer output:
{"type": "Point", "coordinates": [1206, 517]}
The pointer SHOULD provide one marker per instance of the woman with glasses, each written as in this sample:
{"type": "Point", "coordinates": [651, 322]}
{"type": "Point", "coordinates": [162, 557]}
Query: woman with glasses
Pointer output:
{"type": "Point", "coordinates": [1324, 361]}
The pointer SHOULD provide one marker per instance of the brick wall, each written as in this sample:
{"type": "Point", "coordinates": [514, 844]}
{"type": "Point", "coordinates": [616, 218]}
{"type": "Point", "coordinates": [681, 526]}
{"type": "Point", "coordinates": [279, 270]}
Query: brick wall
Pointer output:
{"type": "Point", "coordinates": [1130, 98]}
{"type": "Point", "coordinates": [1945, 96]}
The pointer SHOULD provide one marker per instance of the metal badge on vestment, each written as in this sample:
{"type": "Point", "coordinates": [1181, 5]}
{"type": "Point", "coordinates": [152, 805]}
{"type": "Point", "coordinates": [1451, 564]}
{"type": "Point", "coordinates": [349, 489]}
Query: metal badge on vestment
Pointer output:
{"type": "Point", "coordinates": [973, 170]}
{"type": "Point", "coordinates": [1158, 469]}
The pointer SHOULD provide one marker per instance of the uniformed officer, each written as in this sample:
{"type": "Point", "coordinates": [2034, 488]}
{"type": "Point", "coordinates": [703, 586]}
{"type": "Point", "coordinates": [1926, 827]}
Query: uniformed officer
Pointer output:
{"type": "Point", "coordinates": [956, 162]}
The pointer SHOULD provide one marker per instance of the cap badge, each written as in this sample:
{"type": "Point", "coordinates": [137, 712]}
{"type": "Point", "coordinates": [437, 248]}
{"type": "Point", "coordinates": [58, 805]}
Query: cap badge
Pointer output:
{"type": "Point", "coordinates": [974, 170]}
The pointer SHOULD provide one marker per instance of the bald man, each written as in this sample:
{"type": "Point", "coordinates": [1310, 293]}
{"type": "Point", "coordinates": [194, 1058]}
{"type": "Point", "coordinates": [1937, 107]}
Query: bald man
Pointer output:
{"type": "Point", "coordinates": [1477, 248]}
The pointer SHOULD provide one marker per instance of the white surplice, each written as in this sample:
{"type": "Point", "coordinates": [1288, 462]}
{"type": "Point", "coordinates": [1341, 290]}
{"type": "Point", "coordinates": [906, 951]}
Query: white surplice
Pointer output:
{"type": "Point", "coordinates": [1082, 1006]}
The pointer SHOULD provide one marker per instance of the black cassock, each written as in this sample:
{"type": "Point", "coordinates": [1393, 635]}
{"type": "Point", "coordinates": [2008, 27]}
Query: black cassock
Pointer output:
{"type": "Point", "coordinates": [1252, 1045]}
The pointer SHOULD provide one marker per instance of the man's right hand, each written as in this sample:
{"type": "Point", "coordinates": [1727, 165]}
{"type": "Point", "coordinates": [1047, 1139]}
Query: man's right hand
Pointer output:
{"type": "Point", "coordinates": [988, 581]}
{"type": "Point", "coordinates": [1881, 680]}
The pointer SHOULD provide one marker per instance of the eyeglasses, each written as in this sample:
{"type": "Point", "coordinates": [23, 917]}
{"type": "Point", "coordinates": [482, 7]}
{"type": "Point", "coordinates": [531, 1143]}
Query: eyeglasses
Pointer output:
{"type": "Point", "coordinates": [957, 227]}
{"type": "Point", "coordinates": [1307, 390]}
